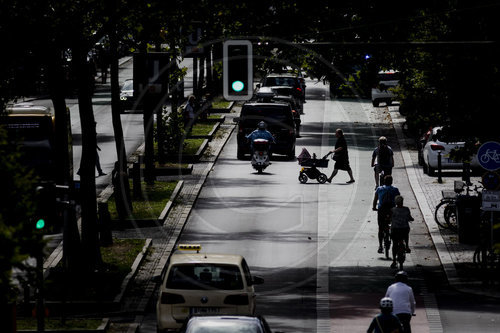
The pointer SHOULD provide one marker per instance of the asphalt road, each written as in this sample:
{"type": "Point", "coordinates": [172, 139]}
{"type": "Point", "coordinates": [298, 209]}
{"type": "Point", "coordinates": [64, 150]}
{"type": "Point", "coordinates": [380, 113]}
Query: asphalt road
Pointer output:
{"type": "Point", "coordinates": [315, 245]}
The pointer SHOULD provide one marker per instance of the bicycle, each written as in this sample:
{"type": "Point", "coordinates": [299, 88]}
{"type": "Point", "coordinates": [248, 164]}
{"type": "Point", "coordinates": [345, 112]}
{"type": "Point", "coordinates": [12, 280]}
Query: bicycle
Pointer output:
{"type": "Point", "coordinates": [445, 213]}
{"type": "Point", "coordinates": [387, 240]}
{"type": "Point", "coordinates": [485, 257]}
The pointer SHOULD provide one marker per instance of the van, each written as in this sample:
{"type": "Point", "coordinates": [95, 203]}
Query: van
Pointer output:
{"type": "Point", "coordinates": [32, 127]}
{"type": "Point", "coordinates": [386, 80]}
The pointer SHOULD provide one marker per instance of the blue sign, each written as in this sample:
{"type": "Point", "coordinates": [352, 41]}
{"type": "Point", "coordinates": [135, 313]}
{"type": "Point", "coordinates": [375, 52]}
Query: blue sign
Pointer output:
{"type": "Point", "coordinates": [488, 155]}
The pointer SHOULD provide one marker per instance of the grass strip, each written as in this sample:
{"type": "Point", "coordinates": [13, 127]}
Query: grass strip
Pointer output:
{"type": "Point", "coordinates": [29, 323]}
{"type": "Point", "coordinates": [102, 285]}
{"type": "Point", "coordinates": [151, 204]}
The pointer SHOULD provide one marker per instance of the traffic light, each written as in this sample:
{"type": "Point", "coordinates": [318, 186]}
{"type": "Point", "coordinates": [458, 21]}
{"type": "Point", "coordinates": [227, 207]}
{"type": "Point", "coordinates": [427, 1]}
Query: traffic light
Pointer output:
{"type": "Point", "coordinates": [237, 70]}
{"type": "Point", "coordinates": [45, 214]}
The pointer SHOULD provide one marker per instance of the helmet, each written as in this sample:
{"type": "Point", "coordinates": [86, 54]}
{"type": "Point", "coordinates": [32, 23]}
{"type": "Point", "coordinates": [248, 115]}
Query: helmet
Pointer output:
{"type": "Point", "coordinates": [401, 276]}
{"type": "Point", "coordinates": [382, 140]}
{"type": "Point", "coordinates": [262, 125]}
{"type": "Point", "coordinates": [386, 303]}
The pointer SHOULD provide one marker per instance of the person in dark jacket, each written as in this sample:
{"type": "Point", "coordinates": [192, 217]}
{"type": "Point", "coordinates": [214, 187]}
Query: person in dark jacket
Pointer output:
{"type": "Point", "coordinates": [385, 322]}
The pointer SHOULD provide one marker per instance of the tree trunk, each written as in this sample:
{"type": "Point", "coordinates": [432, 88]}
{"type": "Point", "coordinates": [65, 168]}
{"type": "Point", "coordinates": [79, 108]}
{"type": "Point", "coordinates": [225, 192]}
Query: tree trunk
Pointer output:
{"type": "Point", "coordinates": [121, 152]}
{"type": "Point", "coordinates": [90, 244]}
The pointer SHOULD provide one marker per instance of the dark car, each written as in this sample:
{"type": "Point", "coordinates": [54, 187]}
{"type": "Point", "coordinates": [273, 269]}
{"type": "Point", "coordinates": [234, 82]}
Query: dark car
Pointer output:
{"type": "Point", "coordinates": [280, 122]}
{"type": "Point", "coordinates": [270, 94]}
{"type": "Point", "coordinates": [286, 84]}
{"type": "Point", "coordinates": [218, 324]}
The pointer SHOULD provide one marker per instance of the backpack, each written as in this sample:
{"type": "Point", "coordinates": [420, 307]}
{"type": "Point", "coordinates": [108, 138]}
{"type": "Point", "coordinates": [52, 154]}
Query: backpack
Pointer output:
{"type": "Point", "coordinates": [384, 155]}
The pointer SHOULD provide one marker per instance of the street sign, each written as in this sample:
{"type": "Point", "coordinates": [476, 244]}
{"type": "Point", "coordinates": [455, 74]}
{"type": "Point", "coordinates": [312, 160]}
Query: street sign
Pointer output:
{"type": "Point", "coordinates": [491, 180]}
{"type": "Point", "coordinates": [151, 73]}
{"type": "Point", "coordinates": [488, 155]}
{"type": "Point", "coordinates": [491, 201]}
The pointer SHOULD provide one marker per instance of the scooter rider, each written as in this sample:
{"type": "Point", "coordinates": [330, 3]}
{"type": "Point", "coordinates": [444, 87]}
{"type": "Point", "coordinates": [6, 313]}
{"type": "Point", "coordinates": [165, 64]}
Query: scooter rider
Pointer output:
{"type": "Point", "coordinates": [260, 133]}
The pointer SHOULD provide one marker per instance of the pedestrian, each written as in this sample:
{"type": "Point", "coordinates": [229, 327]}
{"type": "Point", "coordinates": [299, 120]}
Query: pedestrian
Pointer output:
{"type": "Point", "coordinates": [97, 162]}
{"type": "Point", "coordinates": [383, 201]}
{"type": "Point", "coordinates": [385, 322]}
{"type": "Point", "coordinates": [382, 159]}
{"type": "Point", "coordinates": [189, 112]}
{"type": "Point", "coordinates": [400, 226]}
{"type": "Point", "coordinates": [341, 157]}
{"type": "Point", "coordinates": [403, 300]}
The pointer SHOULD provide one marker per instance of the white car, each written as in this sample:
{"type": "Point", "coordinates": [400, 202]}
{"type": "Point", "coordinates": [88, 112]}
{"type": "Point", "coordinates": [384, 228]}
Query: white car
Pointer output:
{"type": "Point", "coordinates": [204, 284]}
{"type": "Point", "coordinates": [440, 141]}
{"type": "Point", "coordinates": [382, 92]}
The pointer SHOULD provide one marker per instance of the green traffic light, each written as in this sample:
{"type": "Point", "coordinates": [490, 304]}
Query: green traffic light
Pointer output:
{"type": "Point", "coordinates": [40, 224]}
{"type": "Point", "coordinates": [238, 86]}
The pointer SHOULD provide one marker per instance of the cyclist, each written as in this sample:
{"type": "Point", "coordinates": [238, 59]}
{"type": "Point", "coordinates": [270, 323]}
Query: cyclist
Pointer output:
{"type": "Point", "coordinates": [403, 299]}
{"type": "Point", "coordinates": [383, 201]}
{"type": "Point", "coordinates": [385, 321]}
{"type": "Point", "coordinates": [382, 159]}
{"type": "Point", "coordinates": [400, 227]}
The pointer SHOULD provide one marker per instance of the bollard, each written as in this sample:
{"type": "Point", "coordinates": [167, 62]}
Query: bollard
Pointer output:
{"type": "Point", "coordinates": [440, 179]}
{"type": "Point", "coordinates": [136, 180]}
{"type": "Point", "coordinates": [106, 238]}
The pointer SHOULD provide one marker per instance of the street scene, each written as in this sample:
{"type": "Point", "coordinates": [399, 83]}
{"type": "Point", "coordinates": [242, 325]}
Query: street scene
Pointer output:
{"type": "Point", "coordinates": [230, 187]}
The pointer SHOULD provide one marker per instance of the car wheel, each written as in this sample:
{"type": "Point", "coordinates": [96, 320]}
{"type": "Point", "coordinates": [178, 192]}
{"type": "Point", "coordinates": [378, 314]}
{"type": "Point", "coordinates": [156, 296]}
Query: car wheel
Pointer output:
{"type": "Point", "coordinates": [420, 158]}
{"type": "Point", "coordinates": [375, 103]}
{"type": "Point", "coordinates": [425, 167]}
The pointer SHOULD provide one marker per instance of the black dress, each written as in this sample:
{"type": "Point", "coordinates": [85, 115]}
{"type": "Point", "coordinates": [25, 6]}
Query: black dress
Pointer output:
{"type": "Point", "coordinates": [342, 157]}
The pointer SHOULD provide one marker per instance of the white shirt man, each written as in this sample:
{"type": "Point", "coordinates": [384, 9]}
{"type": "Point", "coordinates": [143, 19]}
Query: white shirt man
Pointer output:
{"type": "Point", "coordinates": [403, 300]}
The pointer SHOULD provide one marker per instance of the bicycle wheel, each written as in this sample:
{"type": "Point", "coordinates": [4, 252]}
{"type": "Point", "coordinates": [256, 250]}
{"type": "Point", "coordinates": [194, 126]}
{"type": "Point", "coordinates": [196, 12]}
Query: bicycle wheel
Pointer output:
{"type": "Point", "coordinates": [439, 216]}
{"type": "Point", "coordinates": [450, 216]}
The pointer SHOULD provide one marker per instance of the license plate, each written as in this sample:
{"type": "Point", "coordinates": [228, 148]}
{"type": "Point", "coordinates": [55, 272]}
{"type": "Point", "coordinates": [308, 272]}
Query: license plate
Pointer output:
{"type": "Point", "coordinates": [202, 310]}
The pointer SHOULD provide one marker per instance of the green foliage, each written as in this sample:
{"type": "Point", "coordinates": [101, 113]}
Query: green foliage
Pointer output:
{"type": "Point", "coordinates": [174, 132]}
{"type": "Point", "coordinates": [18, 239]}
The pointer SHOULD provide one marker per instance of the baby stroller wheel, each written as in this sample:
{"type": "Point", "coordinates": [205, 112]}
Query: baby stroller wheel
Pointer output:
{"type": "Point", "coordinates": [302, 178]}
{"type": "Point", "coordinates": [321, 178]}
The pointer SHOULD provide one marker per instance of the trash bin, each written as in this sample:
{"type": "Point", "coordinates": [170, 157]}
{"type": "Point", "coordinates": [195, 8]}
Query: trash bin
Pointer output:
{"type": "Point", "coordinates": [468, 219]}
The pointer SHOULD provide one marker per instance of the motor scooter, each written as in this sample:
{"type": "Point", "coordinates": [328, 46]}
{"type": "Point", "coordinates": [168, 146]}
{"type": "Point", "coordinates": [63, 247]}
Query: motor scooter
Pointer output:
{"type": "Point", "coordinates": [260, 154]}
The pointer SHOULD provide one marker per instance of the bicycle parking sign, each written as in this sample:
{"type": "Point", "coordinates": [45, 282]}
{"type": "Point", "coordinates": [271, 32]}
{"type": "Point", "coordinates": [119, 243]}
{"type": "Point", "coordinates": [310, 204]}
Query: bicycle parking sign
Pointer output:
{"type": "Point", "coordinates": [488, 155]}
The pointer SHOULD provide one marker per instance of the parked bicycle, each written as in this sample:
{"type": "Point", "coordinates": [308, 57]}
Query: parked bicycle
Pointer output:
{"type": "Point", "coordinates": [445, 213]}
{"type": "Point", "coordinates": [485, 257]}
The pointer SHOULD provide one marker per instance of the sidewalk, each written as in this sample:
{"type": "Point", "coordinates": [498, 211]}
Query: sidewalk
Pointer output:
{"type": "Point", "coordinates": [455, 257]}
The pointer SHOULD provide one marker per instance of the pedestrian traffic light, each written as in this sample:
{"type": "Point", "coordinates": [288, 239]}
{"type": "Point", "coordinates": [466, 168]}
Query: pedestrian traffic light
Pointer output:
{"type": "Point", "coordinates": [237, 70]}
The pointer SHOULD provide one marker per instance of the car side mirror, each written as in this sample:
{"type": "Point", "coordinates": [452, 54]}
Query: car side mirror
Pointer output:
{"type": "Point", "coordinates": [236, 119]}
{"type": "Point", "coordinates": [258, 85]}
{"type": "Point", "coordinates": [157, 279]}
{"type": "Point", "coordinates": [257, 280]}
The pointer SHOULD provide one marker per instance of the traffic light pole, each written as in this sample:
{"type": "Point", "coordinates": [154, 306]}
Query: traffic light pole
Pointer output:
{"type": "Point", "coordinates": [40, 306]}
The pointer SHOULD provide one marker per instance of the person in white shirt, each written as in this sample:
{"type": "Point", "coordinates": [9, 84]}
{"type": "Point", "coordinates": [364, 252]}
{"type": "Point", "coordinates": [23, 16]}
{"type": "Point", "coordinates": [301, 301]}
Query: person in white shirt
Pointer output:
{"type": "Point", "coordinates": [403, 300]}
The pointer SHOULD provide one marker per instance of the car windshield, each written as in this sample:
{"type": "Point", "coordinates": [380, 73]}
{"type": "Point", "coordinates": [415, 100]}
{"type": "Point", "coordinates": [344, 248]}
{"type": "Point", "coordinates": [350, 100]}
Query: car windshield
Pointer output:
{"type": "Point", "coordinates": [205, 276]}
{"type": "Point", "coordinates": [388, 76]}
{"type": "Point", "coordinates": [128, 85]}
{"type": "Point", "coordinates": [224, 326]}
{"type": "Point", "coordinates": [268, 113]}
{"type": "Point", "coordinates": [280, 81]}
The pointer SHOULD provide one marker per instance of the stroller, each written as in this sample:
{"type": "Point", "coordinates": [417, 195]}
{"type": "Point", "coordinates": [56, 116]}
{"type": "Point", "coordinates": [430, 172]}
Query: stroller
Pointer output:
{"type": "Point", "coordinates": [310, 167]}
